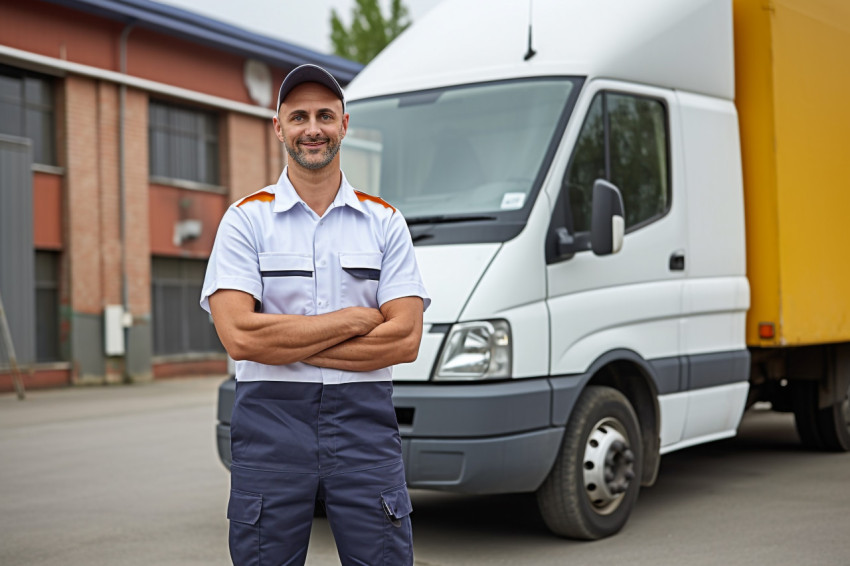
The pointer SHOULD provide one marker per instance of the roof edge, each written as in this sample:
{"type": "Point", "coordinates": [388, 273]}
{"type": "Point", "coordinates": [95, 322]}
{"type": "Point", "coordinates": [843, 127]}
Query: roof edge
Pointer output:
{"type": "Point", "coordinates": [202, 29]}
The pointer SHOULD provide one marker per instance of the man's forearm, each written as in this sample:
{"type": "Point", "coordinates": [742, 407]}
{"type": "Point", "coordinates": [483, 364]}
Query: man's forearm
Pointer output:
{"type": "Point", "coordinates": [278, 339]}
{"type": "Point", "coordinates": [285, 339]}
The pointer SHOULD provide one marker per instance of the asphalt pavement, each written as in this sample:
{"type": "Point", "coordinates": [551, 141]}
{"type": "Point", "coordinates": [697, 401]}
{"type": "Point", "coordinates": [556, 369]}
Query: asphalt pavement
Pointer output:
{"type": "Point", "coordinates": [128, 475]}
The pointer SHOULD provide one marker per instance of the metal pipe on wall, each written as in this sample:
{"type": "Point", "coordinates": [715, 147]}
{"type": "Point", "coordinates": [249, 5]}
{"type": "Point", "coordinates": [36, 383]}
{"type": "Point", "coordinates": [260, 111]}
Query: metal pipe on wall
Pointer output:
{"type": "Point", "coordinates": [122, 189]}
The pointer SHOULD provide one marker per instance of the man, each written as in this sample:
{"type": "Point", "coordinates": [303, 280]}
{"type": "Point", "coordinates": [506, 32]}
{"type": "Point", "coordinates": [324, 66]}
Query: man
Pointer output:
{"type": "Point", "coordinates": [315, 291]}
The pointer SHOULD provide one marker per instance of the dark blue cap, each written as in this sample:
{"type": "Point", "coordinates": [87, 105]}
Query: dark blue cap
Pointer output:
{"type": "Point", "coordinates": [308, 74]}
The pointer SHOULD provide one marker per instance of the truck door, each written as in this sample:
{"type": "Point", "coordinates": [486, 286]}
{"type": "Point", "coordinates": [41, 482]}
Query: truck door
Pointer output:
{"type": "Point", "coordinates": [631, 300]}
{"type": "Point", "coordinates": [715, 294]}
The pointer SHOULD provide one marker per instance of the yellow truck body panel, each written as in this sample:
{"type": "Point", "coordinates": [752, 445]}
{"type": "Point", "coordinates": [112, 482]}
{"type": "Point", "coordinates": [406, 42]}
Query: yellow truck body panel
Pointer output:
{"type": "Point", "coordinates": [792, 74]}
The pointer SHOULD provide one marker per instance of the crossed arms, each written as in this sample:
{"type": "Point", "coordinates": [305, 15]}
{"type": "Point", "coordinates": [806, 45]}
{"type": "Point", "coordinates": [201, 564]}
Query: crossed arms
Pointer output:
{"type": "Point", "coordinates": [352, 339]}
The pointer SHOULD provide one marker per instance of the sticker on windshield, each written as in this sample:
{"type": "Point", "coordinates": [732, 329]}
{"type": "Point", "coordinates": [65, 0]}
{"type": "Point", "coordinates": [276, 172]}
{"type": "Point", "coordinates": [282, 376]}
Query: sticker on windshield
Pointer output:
{"type": "Point", "coordinates": [513, 201]}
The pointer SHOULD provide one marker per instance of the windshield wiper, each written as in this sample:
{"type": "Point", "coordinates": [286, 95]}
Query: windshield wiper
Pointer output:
{"type": "Point", "coordinates": [446, 219]}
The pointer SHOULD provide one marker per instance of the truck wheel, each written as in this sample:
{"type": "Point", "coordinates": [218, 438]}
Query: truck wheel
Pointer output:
{"type": "Point", "coordinates": [594, 483]}
{"type": "Point", "coordinates": [834, 424]}
{"type": "Point", "coordinates": [805, 405]}
{"type": "Point", "coordinates": [822, 429]}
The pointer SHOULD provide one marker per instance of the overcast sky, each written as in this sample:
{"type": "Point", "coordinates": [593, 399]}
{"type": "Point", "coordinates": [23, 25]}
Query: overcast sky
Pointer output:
{"type": "Point", "coordinates": [303, 22]}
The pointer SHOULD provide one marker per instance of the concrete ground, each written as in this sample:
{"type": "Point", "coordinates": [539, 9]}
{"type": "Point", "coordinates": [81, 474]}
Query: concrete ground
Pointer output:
{"type": "Point", "coordinates": [128, 475]}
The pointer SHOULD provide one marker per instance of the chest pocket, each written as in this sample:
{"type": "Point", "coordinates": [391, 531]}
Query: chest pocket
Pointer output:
{"type": "Point", "coordinates": [288, 282]}
{"type": "Point", "coordinates": [361, 272]}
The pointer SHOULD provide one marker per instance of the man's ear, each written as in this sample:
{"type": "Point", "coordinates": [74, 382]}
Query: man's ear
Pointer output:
{"type": "Point", "coordinates": [344, 125]}
{"type": "Point", "coordinates": [278, 127]}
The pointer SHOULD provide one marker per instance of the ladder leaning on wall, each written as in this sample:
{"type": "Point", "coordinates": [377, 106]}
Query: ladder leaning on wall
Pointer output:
{"type": "Point", "coordinates": [7, 344]}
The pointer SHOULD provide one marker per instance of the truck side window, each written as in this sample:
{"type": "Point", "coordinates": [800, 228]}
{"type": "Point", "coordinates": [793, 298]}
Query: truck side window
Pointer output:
{"type": "Point", "coordinates": [588, 164]}
{"type": "Point", "coordinates": [623, 140]}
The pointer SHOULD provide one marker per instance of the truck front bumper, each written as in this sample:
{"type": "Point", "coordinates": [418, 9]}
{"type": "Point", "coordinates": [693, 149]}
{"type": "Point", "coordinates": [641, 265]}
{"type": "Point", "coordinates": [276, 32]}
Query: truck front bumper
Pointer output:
{"type": "Point", "coordinates": [477, 438]}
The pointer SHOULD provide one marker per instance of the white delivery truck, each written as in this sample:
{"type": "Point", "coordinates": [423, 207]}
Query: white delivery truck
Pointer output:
{"type": "Point", "coordinates": [631, 217]}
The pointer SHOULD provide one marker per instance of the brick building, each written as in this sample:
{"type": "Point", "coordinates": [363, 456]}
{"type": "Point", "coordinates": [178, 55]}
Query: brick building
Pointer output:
{"type": "Point", "coordinates": [126, 129]}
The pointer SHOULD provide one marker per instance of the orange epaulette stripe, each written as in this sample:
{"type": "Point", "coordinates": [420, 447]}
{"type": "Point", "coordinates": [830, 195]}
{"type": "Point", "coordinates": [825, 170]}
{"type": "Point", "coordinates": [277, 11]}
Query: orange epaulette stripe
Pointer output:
{"type": "Point", "coordinates": [364, 197]}
{"type": "Point", "coordinates": [262, 196]}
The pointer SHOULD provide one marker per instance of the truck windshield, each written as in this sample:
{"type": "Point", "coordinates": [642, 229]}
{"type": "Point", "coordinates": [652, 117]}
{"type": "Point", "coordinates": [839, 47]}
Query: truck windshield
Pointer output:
{"type": "Point", "coordinates": [459, 155]}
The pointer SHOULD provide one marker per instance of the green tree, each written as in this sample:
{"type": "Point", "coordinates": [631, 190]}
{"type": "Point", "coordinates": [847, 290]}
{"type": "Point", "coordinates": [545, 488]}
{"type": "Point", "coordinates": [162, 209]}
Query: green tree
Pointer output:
{"type": "Point", "coordinates": [369, 32]}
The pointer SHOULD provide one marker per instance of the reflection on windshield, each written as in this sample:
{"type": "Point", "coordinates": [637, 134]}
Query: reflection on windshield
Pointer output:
{"type": "Point", "coordinates": [466, 150]}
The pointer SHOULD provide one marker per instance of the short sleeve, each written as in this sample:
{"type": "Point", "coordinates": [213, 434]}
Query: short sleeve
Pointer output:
{"type": "Point", "coordinates": [233, 263]}
{"type": "Point", "coordinates": [400, 275]}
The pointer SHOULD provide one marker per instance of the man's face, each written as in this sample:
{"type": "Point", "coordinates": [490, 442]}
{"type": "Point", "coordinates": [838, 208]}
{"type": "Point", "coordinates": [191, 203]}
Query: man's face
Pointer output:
{"type": "Point", "coordinates": [311, 124]}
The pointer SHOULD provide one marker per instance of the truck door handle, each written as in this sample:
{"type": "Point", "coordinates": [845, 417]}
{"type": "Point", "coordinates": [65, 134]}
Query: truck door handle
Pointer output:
{"type": "Point", "coordinates": [677, 261]}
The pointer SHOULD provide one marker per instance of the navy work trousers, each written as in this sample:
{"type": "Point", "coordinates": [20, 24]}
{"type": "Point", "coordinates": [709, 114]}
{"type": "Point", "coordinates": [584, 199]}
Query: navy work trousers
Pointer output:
{"type": "Point", "coordinates": [296, 443]}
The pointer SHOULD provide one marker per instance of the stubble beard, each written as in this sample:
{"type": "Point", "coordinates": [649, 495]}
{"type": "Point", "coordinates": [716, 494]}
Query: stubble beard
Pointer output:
{"type": "Point", "coordinates": [300, 155]}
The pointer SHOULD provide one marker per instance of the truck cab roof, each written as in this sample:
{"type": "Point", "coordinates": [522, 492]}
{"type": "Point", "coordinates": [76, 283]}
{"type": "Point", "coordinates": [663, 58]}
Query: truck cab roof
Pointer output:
{"type": "Point", "coordinates": [668, 43]}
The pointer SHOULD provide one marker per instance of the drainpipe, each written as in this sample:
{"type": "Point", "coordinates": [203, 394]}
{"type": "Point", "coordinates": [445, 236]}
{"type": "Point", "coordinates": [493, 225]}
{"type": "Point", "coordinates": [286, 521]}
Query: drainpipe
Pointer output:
{"type": "Point", "coordinates": [122, 199]}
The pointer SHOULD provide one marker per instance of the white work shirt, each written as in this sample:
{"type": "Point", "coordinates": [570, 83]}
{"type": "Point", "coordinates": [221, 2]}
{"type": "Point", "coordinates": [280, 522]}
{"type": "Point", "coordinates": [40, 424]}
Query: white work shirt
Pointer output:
{"type": "Point", "coordinates": [273, 246]}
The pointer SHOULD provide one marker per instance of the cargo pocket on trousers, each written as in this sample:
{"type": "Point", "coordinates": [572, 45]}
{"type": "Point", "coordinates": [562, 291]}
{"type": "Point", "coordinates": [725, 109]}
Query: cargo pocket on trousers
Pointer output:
{"type": "Point", "coordinates": [398, 537]}
{"type": "Point", "coordinates": [244, 512]}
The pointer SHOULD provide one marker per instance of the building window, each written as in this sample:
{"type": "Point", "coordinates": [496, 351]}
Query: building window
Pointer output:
{"type": "Point", "coordinates": [623, 140]}
{"type": "Point", "coordinates": [183, 143]}
{"type": "Point", "coordinates": [26, 110]}
{"type": "Point", "coordinates": [180, 326]}
{"type": "Point", "coordinates": [47, 306]}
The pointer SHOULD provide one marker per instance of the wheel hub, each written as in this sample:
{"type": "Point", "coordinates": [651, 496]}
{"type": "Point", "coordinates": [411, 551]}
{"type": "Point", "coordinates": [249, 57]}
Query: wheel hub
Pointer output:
{"type": "Point", "coordinates": [608, 465]}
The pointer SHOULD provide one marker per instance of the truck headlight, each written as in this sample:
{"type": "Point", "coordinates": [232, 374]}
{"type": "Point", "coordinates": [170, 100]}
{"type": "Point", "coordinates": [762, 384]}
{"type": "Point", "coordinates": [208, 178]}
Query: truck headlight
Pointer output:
{"type": "Point", "coordinates": [476, 350]}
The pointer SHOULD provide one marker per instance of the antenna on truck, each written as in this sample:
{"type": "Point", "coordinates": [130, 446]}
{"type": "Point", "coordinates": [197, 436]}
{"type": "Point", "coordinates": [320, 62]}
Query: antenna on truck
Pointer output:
{"type": "Point", "coordinates": [531, 52]}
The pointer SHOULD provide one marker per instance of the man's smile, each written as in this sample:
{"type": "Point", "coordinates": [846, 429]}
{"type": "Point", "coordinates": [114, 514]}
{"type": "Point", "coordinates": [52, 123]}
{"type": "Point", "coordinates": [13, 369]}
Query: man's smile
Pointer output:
{"type": "Point", "coordinates": [314, 144]}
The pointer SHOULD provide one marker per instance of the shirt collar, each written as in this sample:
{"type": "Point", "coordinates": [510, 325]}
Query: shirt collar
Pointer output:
{"type": "Point", "coordinates": [349, 197]}
{"type": "Point", "coordinates": [286, 197]}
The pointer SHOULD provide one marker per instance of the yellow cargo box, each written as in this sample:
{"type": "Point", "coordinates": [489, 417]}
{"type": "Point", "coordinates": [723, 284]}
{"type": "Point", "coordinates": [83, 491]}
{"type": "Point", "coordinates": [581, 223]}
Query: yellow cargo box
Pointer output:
{"type": "Point", "coordinates": [792, 74]}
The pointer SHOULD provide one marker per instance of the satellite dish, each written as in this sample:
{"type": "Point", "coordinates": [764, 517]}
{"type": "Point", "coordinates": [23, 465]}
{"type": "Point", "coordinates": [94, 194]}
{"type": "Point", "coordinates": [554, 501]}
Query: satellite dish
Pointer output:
{"type": "Point", "coordinates": [258, 81]}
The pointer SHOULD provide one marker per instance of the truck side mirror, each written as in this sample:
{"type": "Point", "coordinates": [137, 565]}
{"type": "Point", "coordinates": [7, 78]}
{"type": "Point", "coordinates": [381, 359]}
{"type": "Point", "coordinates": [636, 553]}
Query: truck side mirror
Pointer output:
{"type": "Point", "coordinates": [607, 223]}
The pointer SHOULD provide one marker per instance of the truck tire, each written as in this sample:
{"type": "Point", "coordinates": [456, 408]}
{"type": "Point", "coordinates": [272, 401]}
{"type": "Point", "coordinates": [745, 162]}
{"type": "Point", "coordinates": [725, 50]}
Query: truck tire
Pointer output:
{"type": "Point", "coordinates": [805, 405]}
{"type": "Point", "coordinates": [821, 429]}
{"type": "Point", "coordinates": [592, 487]}
{"type": "Point", "coordinates": [834, 425]}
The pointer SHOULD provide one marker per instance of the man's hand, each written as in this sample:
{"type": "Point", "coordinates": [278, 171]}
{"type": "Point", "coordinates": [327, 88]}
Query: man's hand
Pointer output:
{"type": "Point", "coordinates": [364, 318]}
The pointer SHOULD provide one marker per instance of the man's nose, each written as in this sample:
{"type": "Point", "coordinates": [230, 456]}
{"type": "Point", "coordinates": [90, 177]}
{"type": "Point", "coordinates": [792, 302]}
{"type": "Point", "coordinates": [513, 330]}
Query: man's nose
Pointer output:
{"type": "Point", "coordinates": [313, 128]}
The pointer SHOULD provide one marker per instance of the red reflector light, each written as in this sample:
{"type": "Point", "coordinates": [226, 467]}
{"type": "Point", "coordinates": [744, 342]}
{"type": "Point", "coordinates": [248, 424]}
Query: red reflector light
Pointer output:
{"type": "Point", "coordinates": [767, 330]}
